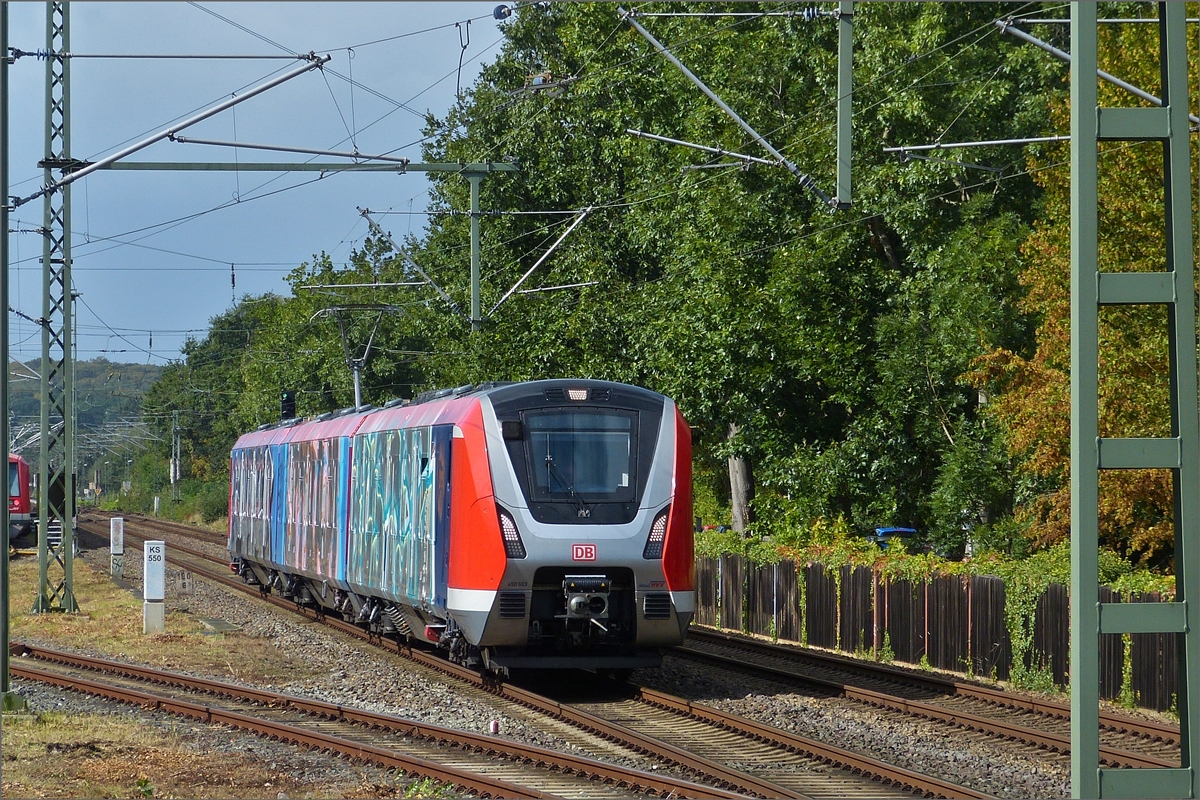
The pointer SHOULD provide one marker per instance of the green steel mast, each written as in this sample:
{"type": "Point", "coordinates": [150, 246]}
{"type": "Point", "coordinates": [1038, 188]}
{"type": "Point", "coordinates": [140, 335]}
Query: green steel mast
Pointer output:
{"type": "Point", "coordinates": [1091, 289]}
{"type": "Point", "coordinates": [56, 496]}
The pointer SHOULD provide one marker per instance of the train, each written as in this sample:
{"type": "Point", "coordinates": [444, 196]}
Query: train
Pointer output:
{"type": "Point", "coordinates": [528, 525]}
{"type": "Point", "coordinates": [21, 530]}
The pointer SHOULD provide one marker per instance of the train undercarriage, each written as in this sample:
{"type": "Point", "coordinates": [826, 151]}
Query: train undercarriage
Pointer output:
{"type": "Point", "coordinates": [573, 621]}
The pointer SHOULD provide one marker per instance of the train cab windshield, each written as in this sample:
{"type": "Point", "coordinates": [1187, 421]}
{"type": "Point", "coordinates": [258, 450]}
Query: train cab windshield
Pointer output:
{"type": "Point", "coordinates": [581, 451]}
{"type": "Point", "coordinates": [581, 456]}
{"type": "Point", "coordinates": [14, 479]}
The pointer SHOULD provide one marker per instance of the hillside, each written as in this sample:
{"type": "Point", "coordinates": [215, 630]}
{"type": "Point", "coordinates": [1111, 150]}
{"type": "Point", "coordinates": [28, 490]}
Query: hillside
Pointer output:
{"type": "Point", "coordinates": [105, 392]}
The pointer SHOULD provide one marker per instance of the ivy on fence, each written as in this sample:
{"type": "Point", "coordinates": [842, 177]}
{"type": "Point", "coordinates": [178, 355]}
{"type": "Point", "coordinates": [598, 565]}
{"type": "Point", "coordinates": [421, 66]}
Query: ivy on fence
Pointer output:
{"type": "Point", "coordinates": [831, 544]}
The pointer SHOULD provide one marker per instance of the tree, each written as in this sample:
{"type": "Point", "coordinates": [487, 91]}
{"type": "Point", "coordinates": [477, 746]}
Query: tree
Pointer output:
{"type": "Point", "coordinates": [732, 290]}
{"type": "Point", "coordinates": [821, 357]}
{"type": "Point", "coordinates": [1033, 392]}
{"type": "Point", "coordinates": [206, 388]}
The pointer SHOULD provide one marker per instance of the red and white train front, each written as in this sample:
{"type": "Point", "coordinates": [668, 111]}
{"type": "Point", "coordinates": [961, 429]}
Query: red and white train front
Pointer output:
{"type": "Point", "coordinates": [543, 524]}
{"type": "Point", "coordinates": [592, 494]}
{"type": "Point", "coordinates": [20, 509]}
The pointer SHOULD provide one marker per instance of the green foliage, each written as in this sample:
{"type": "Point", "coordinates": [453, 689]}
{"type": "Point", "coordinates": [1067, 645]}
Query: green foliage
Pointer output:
{"type": "Point", "coordinates": [840, 348]}
{"type": "Point", "coordinates": [1128, 696]}
{"type": "Point", "coordinates": [837, 350]}
{"type": "Point", "coordinates": [428, 787]}
{"type": "Point", "coordinates": [886, 654]}
{"type": "Point", "coordinates": [145, 788]}
{"type": "Point", "coordinates": [1026, 579]}
{"type": "Point", "coordinates": [207, 387]}
{"type": "Point", "coordinates": [104, 391]}
{"type": "Point", "coordinates": [107, 397]}
{"type": "Point", "coordinates": [213, 501]}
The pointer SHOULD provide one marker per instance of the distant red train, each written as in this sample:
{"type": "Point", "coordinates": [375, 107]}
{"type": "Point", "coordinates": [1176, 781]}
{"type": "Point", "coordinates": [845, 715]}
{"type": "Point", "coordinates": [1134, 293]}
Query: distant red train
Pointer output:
{"type": "Point", "coordinates": [20, 509]}
{"type": "Point", "coordinates": [527, 525]}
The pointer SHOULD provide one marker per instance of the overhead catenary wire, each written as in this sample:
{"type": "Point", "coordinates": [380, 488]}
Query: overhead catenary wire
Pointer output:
{"type": "Point", "coordinates": [514, 212]}
{"type": "Point", "coordinates": [982, 32]}
{"type": "Point", "coordinates": [355, 156]}
{"type": "Point", "coordinates": [312, 62]}
{"type": "Point", "coordinates": [455, 212]}
{"type": "Point", "coordinates": [1008, 26]}
{"type": "Point", "coordinates": [175, 222]}
{"type": "Point", "coordinates": [191, 56]}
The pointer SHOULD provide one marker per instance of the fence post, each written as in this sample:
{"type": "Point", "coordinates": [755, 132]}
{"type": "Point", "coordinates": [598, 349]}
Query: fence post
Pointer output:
{"type": "Point", "coordinates": [887, 603]}
{"type": "Point", "coordinates": [720, 590]}
{"type": "Point", "coordinates": [874, 615]}
{"type": "Point", "coordinates": [775, 601]}
{"type": "Point", "coordinates": [925, 643]}
{"type": "Point", "coordinates": [970, 648]}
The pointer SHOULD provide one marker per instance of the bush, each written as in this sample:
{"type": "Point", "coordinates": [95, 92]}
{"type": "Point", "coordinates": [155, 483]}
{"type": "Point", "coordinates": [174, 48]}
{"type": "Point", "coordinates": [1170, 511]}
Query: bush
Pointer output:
{"type": "Point", "coordinates": [213, 501]}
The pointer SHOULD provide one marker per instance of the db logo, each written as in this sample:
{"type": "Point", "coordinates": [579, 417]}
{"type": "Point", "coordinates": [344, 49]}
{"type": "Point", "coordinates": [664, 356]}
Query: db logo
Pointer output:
{"type": "Point", "coordinates": [583, 552]}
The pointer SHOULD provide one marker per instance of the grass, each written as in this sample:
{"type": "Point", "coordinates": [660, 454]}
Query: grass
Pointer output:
{"type": "Point", "coordinates": [100, 755]}
{"type": "Point", "coordinates": [110, 625]}
{"type": "Point", "coordinates": [87, 756]}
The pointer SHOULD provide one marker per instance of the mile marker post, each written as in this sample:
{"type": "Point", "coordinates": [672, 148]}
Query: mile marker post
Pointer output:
{"type": "Point", "coordinates": [116, 546]}
{"type": "Point", "coordinates": [154, 584]}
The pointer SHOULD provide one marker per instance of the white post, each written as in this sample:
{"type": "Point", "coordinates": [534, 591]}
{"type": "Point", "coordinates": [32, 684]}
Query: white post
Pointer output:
{"type": "Point", "coordinates": [116, 546]}
{"type": "Point", "coordinates": [156, 505]}
{"type": "Point", "coordinates": [154, 582]}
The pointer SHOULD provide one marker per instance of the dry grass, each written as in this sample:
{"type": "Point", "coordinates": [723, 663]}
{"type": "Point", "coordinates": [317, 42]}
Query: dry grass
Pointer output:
{"type": "Point", "coordinates": [94, 755]}
{"type": "Point", "coordinates": [90, 756]}
{"type": "Point", "coordinates": [110, 625]}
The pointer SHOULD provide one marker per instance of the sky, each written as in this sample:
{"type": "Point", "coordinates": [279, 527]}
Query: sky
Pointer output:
{"type": "Point", "coordinates": [151, 251]}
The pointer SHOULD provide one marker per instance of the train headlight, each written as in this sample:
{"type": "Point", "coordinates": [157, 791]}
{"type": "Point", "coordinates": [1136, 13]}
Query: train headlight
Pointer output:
{"type": "Point", "coordinates": [658, 535]}
{"type": "Point", "coordinates": [513, 546]}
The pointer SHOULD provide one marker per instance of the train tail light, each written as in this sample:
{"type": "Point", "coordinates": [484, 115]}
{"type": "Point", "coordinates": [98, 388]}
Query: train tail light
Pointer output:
{"type": "Point", "coordinates": [513, 546]}
{"type": "Point", "coordinates": [658, 536]}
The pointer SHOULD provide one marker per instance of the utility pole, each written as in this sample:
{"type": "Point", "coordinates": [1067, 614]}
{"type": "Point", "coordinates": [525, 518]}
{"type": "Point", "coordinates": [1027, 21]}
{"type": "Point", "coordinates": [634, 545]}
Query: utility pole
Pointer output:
{"type": "Point", "coordinates": [56, 501]}
{"type": "Point", "coordinates": [175, 455]}
{"type": "Point", "coordinates": [845, 143]}
{"type": "Point", "coordinates": [9, 700]}
{"type": "Point", "coordinates": [475, 178]}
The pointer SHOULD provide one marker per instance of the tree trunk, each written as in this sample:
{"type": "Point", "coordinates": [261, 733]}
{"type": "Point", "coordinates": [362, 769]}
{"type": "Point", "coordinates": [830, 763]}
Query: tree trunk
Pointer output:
{"type": "Point", "coordinates": [741, 487]}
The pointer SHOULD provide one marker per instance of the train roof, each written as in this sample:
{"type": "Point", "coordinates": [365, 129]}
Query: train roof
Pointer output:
{"type": "Point", "coordinates": [13, 458]}
{"type": "Point", "coordinates": [440, 407]}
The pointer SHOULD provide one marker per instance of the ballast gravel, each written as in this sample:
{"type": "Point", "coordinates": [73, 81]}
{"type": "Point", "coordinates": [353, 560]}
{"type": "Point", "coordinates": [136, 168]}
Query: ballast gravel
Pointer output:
{"type": "Point", "coordinates": [987, 765]}
{"type": "Point", "coordinates": [357, 676]}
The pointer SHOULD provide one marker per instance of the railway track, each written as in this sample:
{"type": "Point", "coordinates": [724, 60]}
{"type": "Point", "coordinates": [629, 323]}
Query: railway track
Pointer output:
{"type": "Point", "coordinates": [484, 765]}
{"type": "Point", "coordinates": [719, 748]}
{"type": "Point", "coordinates": [1125, 742]}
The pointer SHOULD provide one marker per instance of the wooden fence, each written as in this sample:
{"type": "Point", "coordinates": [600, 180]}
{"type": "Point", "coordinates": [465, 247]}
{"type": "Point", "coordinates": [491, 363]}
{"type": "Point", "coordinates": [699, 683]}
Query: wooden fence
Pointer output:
{"type": "Point", "coordinates": [954, 623]}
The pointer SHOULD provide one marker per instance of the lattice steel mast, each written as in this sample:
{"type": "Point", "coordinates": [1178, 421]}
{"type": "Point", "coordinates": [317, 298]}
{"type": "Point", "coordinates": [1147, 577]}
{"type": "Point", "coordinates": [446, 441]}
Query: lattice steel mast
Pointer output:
{"type": "Point", "coordinates": [56, 495]}
{"type": "Point", "coordinates": [1091, 289]}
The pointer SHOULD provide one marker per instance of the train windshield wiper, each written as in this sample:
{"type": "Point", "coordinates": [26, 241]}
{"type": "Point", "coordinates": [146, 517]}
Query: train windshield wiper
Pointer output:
{"type": "Point", "coordinates": [551, 469]}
